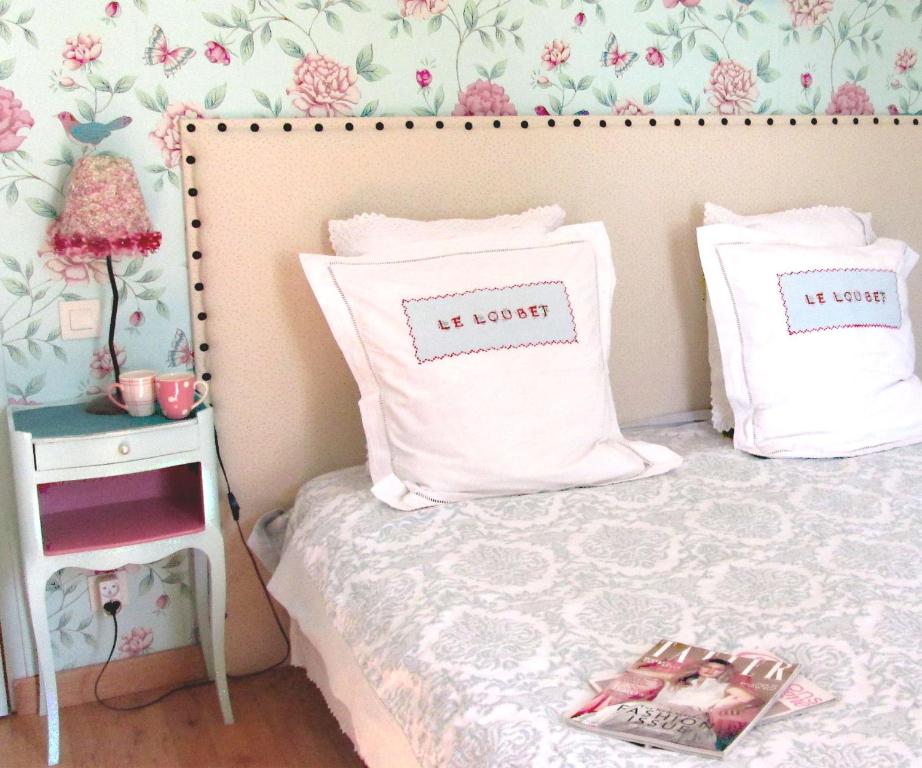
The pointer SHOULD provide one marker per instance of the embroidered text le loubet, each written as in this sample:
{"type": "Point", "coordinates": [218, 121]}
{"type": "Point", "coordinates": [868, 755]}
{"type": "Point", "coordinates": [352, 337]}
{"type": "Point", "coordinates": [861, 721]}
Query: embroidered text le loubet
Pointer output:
{"type": "Point", "coordinates": [827, 299]}
{"type": "Point", "coordinates": [483, 319]}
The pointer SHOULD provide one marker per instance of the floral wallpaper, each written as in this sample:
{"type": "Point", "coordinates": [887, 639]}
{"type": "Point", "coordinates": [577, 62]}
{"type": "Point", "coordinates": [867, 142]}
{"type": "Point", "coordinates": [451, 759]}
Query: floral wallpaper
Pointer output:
{"type": "Point", "coordinates": [98, 76]}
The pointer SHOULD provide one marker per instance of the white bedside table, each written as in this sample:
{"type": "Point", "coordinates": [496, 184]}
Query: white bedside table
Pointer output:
{"type": "Point", "coordinates": [99, 492]}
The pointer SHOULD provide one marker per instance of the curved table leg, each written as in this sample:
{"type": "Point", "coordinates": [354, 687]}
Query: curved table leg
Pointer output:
{"type": "Point", "coordinates": [35, 591]}
{"type": "Point", "coordinates": [215, 640]}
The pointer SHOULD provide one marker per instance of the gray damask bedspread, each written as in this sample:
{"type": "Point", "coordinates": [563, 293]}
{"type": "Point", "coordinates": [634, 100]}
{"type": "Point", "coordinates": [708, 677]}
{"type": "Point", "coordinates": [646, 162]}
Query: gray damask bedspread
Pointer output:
{"type": "Point", "coordinates": [478, 623]}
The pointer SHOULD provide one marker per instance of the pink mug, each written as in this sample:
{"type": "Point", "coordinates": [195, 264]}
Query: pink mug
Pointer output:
{"type": "Point", "coordinates": [176, 393]}
{"type": "Point", "coordinates": [137, 391]}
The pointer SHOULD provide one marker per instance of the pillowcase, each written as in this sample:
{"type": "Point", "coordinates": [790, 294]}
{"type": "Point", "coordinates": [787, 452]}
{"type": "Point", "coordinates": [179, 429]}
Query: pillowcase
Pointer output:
{"type": "Point", "coordinates": [371, 232]}
{"type": "Point", "coordinates": [817, 347]}
{"type": "Point", "coordinates": [807, 226]}
{"type": "Point", "coordinates": [821, 225]}
{"type": "Point", "coordinates": [483, 366]}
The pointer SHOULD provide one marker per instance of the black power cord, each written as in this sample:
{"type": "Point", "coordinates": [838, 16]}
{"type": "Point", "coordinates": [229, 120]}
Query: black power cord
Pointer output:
{"type": "Point", "coordinates": [113, 607]}
{"type": "Point", "coordinates": [235, 514]}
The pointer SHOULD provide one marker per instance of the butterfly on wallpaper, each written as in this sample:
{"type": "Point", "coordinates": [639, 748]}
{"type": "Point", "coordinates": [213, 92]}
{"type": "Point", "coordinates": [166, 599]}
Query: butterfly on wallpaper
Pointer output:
{"type": "Point", "coordinates": [158, 51]}
{"type": "Point", "coordinates": [615, 58]}
{"type": "Point", "coordinates": [180, 353]}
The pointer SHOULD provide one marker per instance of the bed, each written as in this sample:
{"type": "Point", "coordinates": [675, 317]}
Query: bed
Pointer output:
{"type": "Point", "coordinates": [514, 601]}
{"type": "Point", "coordinates": [468, 629]}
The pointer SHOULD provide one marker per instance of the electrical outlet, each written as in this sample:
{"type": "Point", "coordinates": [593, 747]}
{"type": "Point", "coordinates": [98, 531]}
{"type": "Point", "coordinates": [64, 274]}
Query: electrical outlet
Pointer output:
{"type": "Point", "coordinates": [106, 587]}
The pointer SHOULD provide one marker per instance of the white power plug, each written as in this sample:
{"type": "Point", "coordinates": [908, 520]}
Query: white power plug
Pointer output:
{"type": "Point", "coordinates": [106, 587]}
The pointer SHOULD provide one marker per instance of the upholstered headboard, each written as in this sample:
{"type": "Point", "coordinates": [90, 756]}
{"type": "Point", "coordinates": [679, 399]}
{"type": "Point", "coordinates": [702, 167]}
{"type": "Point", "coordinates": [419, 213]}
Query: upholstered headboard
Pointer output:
{"type": "Point", "coordinates": [258, 193]}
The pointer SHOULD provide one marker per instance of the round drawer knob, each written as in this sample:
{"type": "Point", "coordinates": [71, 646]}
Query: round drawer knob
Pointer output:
{"type": "Point", "coordinates": [124, 449]}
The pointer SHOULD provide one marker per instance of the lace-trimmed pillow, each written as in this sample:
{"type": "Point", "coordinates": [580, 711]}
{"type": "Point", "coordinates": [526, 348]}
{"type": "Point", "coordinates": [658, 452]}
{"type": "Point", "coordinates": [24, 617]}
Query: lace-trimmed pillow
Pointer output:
{"type": "Point", "coordinates": [820, 225]}
{"type": "Point", "coordinates": [367, 232]}
{"type": "Point", "coordinates": [802, 225]}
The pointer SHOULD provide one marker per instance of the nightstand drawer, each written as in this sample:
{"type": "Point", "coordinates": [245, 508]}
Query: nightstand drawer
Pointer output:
{"type": "Point", "coordinates": [115, 448]}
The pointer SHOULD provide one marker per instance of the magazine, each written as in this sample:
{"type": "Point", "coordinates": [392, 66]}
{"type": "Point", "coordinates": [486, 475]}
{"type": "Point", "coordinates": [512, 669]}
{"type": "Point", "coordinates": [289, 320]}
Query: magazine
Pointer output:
{"type": "Point", "coordinates": [686, 698]}
{"type": "Point", "coordinates": [798, 697]}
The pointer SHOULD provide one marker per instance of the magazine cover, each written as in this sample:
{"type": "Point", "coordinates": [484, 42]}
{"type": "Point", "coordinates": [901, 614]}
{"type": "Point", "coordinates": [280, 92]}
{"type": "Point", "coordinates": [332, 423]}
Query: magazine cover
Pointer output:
{"type": "Point", "coordinates": [683, 697]}
{"type": "Point", "coordinates": [798, 697]}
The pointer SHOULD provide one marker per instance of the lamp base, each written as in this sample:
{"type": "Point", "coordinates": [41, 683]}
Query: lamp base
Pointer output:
{"type": "Point", "coordinates": [103, 406]}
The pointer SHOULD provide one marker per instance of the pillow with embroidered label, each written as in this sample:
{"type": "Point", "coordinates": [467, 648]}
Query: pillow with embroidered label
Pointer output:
{"type": "Point", "coordinates": [821, 225]}
{"type": "Point", "coordinates": [483, 366]}
{"type": "Point", "coordinates": [817, 347]}
{"type": "Point", "coordinates": [372, 232]}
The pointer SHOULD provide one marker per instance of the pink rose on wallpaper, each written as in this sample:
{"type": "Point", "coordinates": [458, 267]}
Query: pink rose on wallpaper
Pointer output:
{"type": "Point", "coordinates": [324, 87]}
{"type": "Point", "coordinates": [422, 9]}
{"type": "Point", "coordinates": [579, 19]}
{"type": "Point", "coordinates": [906, 60]}
{"type": "Point", "coordinates": [101, 362]}
{"type": "Point", "coordinates": [162, 602]}
{"type": "Point", "coordinates": [850, 99]}
{"type": "Point", "coordinates": [483, 98]}
{"type": "Point", "coordinates": [81, 50]}
{"type": "Point", "coordinates": [136, 318]}
{"type": "Point", "coordinates": [629, 107]}
{"type": "Point", "coordinates": [655, 57]}
{"type": "Point", "coordinates": [113, 10]}
{"type": "Point", "coordinates": [12, 118]}
{"type": "Point", "coordinates": [216, 53]}
{"type": "Point", "coordinates": [541, 111]}
{"type": "Point", "coordinates": [732, 87]}
{"type": "Point", "coordinates": [138, 640]}
{"type": "Point", "coordinates": [555, 53]}
{"type": "Point", "coordinates": [166, 134]}
{"type": "Point", "coordinates": [686, 3]}
{"type": "Point", "coordinates": [806, 80]}
{"type": "Point", "coordinates": [893, 109]}
{"type": "Point", "coordinates": [423, 78]}
{"type": "Point", "coordinates": [808, 13]}
{"type": "Point", "coordinates": [75, 265]}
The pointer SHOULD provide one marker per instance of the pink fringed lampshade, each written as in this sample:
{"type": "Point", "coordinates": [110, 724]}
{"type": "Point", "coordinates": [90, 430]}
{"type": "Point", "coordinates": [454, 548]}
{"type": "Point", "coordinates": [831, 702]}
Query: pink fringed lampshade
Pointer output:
{"type": "Point", "coordinates": [104, 213]}
{"type": "Point", "coordinates": [104, 218]}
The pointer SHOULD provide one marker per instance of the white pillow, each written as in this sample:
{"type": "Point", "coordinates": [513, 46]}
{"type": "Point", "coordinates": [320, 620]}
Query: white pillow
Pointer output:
{"type": "Point", "coordinates": [807, 226]}
{"type": "Point", "coordinates": [483, 368]}
{"type": "Point", "coordinates": [817, 347]}
{"type": "Point", "coordinates": [821, 225]}
{"type": "Point", "coordinates": [373, 232]}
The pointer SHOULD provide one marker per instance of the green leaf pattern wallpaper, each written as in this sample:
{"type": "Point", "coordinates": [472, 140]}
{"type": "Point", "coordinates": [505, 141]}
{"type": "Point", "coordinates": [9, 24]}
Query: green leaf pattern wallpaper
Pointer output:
{"type": "Point", "coordinates": [94, 76]}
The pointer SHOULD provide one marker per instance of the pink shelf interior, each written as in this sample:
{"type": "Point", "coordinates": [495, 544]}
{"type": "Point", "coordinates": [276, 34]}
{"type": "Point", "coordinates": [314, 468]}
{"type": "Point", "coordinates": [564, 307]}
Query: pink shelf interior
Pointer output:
{"type": "Point", "coordinates": [81, 515]}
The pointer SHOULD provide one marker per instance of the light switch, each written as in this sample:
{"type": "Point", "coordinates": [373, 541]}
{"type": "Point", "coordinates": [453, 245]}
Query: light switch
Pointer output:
{"type": "Point", "coordinates": [79, 319]}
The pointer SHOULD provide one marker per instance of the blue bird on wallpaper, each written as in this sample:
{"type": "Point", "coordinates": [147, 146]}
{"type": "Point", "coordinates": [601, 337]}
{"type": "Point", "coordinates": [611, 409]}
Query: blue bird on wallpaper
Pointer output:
{"type": "Point", "coordinates": [90, 133]}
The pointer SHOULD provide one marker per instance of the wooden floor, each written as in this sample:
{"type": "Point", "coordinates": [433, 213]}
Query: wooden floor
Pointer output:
{"type": "Point", "coordinates": [282, 720]}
